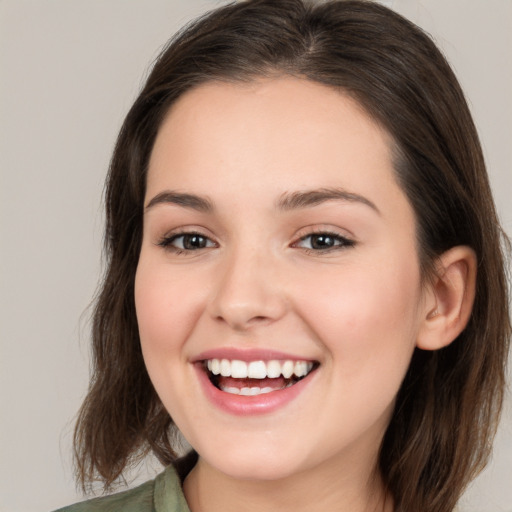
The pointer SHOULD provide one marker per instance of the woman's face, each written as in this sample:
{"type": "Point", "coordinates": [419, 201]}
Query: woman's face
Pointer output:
{"type": "Point", "coordinates": [278, 250]}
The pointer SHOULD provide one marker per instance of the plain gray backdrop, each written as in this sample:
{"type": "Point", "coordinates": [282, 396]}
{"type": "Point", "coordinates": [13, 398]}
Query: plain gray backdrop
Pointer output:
{"type": "Point", "coordinates": [69, 70]}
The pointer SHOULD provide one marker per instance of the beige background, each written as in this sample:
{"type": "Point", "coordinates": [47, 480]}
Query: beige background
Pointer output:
{"type": "Point", "coordinates": [69, 70]}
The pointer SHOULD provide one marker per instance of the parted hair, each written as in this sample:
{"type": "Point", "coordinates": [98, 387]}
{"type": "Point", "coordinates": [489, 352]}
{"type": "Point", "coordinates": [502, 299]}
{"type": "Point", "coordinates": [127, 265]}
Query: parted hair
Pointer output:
{"type": "Point", "coordinates": [448, 405]}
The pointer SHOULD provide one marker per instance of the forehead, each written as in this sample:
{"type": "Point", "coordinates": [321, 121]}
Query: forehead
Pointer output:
{"type": "Point", "coordinates": [285, 103]}
{"type": "Point", "coordinates": [277, 134]}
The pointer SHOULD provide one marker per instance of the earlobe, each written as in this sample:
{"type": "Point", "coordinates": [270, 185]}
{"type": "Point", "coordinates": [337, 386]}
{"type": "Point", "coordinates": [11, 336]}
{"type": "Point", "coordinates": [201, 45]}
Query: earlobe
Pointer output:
{"type": "Point", "coordinates": [450, 299]}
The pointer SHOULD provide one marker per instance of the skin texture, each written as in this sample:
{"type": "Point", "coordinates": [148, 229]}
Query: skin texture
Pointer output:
{"type": "Point", "coordinates": [358, 309]}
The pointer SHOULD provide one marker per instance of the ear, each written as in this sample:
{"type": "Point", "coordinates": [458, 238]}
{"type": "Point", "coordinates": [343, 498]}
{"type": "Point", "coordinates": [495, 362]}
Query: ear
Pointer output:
{"type": "Point", "coordinates": [448, 299]}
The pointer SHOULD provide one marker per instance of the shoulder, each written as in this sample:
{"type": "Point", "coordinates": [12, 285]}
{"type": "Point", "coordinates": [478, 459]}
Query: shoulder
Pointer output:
{"type": "Point", "coordinates": [162, 493]}
{"type": "Point", "coordinates": [139, 499]}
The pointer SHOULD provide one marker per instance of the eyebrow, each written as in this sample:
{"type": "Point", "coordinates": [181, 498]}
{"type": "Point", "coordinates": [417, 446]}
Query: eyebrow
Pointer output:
{"type": "Point", "coordinates": [308, 198]}
{"type": "Point", "coordinates": [192, 201]}
{"type": "Point", "coordinates": [288, 201]}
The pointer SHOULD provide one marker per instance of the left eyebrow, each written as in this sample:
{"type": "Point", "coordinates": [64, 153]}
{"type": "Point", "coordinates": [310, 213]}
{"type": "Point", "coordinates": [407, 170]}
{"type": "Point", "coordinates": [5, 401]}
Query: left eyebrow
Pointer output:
{"type": "Point", "coordinates": [308, 198]}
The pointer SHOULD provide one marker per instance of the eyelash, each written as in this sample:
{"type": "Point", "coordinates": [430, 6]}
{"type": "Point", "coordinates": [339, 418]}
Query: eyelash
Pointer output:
{"type": "Point", "coordinates": [167, 242]}
{"type": "Point", "coordinates": [340, 242]}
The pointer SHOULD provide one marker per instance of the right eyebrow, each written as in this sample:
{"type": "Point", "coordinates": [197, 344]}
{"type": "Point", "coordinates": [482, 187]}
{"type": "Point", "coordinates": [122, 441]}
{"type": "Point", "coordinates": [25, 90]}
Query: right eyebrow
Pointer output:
{"type": "Point", "coordinates": [192, 201]}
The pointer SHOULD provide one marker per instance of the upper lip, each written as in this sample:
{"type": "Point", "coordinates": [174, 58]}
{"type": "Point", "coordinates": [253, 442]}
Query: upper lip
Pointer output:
{"type": "Point", "coordinates": [248, 355]}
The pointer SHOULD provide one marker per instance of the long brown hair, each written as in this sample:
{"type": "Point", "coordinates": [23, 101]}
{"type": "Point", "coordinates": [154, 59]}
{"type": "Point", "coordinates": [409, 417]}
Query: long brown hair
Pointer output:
{"type": "Point", "coordinates": [448, 405]}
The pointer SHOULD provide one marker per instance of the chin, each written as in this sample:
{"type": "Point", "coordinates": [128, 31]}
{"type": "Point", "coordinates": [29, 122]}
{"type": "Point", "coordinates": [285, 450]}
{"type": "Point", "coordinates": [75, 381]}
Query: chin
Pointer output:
{"type": "Point", "coordinates": [258, 470]}
{"type": "Point", "coordinates": [255, 463]}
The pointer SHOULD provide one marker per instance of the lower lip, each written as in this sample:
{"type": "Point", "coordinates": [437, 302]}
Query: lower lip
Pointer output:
{"type": "Point", "coordinates": [250, 405]}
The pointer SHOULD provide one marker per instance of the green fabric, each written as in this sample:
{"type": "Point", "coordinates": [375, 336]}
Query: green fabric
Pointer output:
{"type": "Point", "coordinates": [163, 494]}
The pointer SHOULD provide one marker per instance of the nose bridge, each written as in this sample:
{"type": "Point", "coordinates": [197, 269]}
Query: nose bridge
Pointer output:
{"type": "Point", "coordinates": [248, 290]}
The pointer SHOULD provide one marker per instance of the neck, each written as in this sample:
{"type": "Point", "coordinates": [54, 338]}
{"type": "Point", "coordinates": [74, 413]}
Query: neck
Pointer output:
{"type": "Point", "coordinates": [318, 489]}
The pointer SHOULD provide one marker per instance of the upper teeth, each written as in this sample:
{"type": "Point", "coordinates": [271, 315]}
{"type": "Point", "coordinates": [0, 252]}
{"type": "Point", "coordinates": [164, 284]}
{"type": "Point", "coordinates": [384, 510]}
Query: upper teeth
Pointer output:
{"type": "Point", "coordinates": [258, 369]}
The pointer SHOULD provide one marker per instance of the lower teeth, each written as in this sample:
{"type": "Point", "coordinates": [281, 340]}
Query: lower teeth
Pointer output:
{"type": "Point", "coordinates": [247, 391]}
{"type": "Point", "coordinates": [252, 391]}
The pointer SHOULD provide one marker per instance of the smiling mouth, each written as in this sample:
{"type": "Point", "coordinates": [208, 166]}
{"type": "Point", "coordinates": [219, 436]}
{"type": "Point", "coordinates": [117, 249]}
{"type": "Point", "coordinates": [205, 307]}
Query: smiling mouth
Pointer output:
{"type": "Point", "coordinates": [256, 377]}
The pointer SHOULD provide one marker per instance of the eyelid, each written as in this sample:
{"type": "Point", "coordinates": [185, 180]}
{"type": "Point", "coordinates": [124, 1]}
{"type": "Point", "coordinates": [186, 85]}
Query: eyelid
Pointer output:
{"type": "Point", "coordinates": [324, 229]}
{"type": "Point", "coordinates": [165, 241]}
{"type": "Point", "coordinates": [347, 241]}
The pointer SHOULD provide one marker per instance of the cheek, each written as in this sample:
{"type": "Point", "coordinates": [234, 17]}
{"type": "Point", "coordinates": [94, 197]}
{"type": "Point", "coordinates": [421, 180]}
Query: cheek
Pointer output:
{"type": "Point", "coordinates": [366, 315]}
{"type": "Point", "coordinates": [165, 310]}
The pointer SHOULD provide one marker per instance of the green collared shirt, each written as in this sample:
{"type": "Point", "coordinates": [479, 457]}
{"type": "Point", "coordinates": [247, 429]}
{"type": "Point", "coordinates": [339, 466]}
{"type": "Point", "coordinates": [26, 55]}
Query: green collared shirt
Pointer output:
{"type": "Point", "coordinates": [162, 494]}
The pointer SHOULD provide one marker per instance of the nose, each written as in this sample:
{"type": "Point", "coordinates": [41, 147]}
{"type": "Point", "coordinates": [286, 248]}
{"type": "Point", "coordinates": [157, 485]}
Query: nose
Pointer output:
{"type": "Point", "coordinates": [249, 291]}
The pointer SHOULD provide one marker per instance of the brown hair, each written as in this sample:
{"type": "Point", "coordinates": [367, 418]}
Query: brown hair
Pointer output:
{"type": "Point", "coordinates": [448, 406]}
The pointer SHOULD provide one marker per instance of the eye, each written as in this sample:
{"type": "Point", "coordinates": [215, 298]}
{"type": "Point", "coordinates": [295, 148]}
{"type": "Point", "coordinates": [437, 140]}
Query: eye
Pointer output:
{"type": "Point", "coordinates": [323, 242]}
{"type": "Point", "coordinates": [181, 242]}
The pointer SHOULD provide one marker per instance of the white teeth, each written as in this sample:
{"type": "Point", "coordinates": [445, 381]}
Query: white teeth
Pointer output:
{"type": "Point", "coordinates": [233, 391]}
{"type": "Point", "coordinates": [273, 369]}
{"type": "Point", "coordinates": [301, 368]}
{"type": "Point", "coordinates": [225, 368]}
{"type": "Point", "coordinates": [214, 366]}
{"type": "Point", "coordinates": [238, 369]}
{"type": "Point", "coordinates": [287, 369]}
{"type": "Point", "coordinates": [248, 391]}
{"type": "Point", "coordinates": [258, 369]}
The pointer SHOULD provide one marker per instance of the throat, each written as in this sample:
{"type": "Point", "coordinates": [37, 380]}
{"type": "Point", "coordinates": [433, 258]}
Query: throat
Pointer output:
{"type": "Point", "coordinates": [207, 489]}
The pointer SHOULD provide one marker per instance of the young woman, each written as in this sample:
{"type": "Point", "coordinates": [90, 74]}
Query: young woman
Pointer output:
{"type": "Point", "coordinates": [305, 273]}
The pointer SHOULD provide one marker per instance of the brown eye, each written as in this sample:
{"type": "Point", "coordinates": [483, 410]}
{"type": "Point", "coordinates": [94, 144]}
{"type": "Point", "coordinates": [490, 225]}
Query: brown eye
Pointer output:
{"type": "Point", "coordinates": [187, 242]}
{"type": "Point", "coordinates": [324, 242]}
{"type": "Point", "coordinates": [193, 242]}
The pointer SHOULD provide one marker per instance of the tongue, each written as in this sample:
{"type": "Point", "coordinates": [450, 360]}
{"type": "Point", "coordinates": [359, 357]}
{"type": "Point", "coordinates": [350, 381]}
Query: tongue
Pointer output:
{"type": "Point", "coordinates": [230, 382]}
